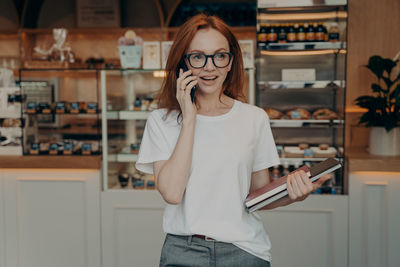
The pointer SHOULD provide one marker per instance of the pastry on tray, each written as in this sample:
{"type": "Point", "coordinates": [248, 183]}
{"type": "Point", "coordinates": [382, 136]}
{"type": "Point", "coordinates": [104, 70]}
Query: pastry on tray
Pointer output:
{"type": "Point", "coordinates": [298, 114]}
{"type": "Point", "coordinates": [274, 114]}
{"type": "Point", "coordinates": [324, 114]}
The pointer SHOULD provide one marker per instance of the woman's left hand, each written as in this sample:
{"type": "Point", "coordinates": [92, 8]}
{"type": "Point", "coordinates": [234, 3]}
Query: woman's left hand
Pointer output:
{"type": "Point", "coordinates": [299, 185]}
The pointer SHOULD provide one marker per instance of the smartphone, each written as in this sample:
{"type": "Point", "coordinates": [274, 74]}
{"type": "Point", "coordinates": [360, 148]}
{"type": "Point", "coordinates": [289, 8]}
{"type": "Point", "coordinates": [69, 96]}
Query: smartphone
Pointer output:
{"type": "Point", "coordinates": [182, 65]}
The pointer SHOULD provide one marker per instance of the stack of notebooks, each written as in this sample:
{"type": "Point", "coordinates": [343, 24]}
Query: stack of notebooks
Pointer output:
{"type": "Point", "coordinates": [277, 189]}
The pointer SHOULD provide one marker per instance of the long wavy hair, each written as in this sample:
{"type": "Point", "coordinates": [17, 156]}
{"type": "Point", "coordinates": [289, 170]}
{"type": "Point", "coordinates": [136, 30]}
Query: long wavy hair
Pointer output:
{"type": "Point", "coordinates": [234, 82]}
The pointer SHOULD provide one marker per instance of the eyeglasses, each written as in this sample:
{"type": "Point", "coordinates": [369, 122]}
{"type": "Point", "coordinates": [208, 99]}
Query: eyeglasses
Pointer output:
{"type": "Point", "coordinates": [199, 60]}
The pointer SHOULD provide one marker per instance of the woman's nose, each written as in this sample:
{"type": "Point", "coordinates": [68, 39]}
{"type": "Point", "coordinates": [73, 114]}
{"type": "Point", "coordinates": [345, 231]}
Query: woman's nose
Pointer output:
{"type": "Point", "coordinates": [209, 64]}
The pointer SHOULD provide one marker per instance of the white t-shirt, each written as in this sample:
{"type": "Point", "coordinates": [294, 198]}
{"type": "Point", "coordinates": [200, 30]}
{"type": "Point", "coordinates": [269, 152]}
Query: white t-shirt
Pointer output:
{"type": "Point", "coordinates": [226, 150]}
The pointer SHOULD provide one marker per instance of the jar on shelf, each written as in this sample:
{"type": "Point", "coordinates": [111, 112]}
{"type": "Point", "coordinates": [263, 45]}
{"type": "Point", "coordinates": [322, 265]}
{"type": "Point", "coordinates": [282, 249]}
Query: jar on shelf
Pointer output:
{"type": "Point", "coordinates": [262, 37]}
{"type": "Point", "coordinates": [272, 34]}
{"type": "Point", "coordinates": [320, 32]}
{"type": "Point", "coordinates": [333, 32]}
{"type": "Point", "coordinates": [310, 32]}
{"type": "Point", "coordinates": [301, 33]}
{"type": "Point", "coordinates": [291, 33]}
{"type": "Point", "coordinates": [282, 32]}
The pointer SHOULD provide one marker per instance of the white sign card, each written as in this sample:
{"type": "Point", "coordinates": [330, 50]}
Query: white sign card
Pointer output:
{"type": "Point", "coordinates": [151, 55]}
{"type": "Point", "coordinates": [298, 75]}
{"type": "Point", "coordinates": [247, 47]}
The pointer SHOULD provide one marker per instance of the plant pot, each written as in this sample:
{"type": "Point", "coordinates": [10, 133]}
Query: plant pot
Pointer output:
{"type": "Point", "coordinates": [384, 143]}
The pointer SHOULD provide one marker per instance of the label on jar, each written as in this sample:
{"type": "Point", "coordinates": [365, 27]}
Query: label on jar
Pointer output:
{"type": "Point", "coordinates": [291, 37]}
{"type": "Point", "coordinates": [92, 107]}
{"type": "Point", "coordinates": [333, 36]}
{"type": "Point", "coordinates": [301, 36]}
{"type": "Point", "coordinates": [272, 37]}
{"type": "Point", "coordinates": [262, 37]}
{"type": "Point", "coordinates": [60, 107]}
{"type": "Point", "coordinates": [295, 115]}
{"type": "Point", "coordinates": [319, 36]}
{"type": "Point", "coordinates": [310, 36]}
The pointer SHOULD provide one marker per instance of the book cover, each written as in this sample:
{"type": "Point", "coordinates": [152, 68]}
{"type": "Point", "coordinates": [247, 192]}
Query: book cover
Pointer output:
{"type": "Point", "coordinates": [277, 189]}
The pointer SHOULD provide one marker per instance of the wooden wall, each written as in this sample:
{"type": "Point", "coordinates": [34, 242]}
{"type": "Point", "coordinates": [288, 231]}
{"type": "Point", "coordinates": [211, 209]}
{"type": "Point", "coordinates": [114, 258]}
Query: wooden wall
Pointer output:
{"type": "Point", "coordinates": [373, 29]}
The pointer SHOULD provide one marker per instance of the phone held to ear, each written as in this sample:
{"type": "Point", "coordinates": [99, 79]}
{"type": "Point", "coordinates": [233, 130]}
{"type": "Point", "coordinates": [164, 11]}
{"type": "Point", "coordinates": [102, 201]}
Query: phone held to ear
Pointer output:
{"type": "Point", "coordinates": [182, 65]}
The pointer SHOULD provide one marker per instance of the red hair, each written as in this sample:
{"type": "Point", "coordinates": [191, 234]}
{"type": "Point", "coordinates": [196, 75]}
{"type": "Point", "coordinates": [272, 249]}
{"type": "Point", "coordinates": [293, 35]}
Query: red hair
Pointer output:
{"type": "Point", "coordinates": [233, 84]}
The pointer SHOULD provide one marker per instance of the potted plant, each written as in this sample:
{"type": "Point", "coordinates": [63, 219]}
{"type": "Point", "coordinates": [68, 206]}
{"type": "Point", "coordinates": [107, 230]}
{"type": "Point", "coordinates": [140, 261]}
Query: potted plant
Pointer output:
{"type": "Point", "coordinates": [383, 107]}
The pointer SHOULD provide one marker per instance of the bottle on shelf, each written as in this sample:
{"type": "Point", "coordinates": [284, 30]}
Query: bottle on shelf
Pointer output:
{"type": "Point", "coordinates": [301, 33]}
{"type": "Point", "coordinates": [272, 34]}
{"type": "Point", "coordinates": [262, 37]}
{"type": "Point", "coordinates": [282, 32]}
{"type": "Point", "coordinates": [310, 32]}
{"type": "Point", "coordinates": [320, 32]}
{"type": "Point", "coordinates": [333, 32]}
{"type": "Point", "coordinates": [291, 33]}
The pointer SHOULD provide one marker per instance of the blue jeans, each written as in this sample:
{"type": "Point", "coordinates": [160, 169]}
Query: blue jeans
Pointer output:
{"type": "Point", "coordinates": [188, 251]}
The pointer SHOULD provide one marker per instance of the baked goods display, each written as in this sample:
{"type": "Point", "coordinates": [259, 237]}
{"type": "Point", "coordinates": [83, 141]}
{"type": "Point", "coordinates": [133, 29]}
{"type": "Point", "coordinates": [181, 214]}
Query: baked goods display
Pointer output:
{"type": "Point", "coordinates": [274, 114]}
{"type": "Point", "coordinates": [298, 114]}
{"type": "Point", "coordinates": [301, 151]}
{"type": "Point", "coordinates": [302, 114]}
{"type": "Point", "coordinates": [324, 114]}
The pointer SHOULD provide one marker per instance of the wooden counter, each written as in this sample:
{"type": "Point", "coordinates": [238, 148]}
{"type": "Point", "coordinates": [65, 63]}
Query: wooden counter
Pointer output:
{"type": "Point", "coordinates": [51, 162]}
{"type": "Point", "coordinates": [361, 160]}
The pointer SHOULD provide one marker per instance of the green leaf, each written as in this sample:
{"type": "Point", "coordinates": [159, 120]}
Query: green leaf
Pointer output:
{"type": "Point", "coordinates": [368, 102]}
{"type": "Point", "coordinates": [376, 88]}
{"type": "Point", "coordinates": [395, 93]}
{"type": "Point", "coordinates": [365, 98]}
{"type": "Point", "coordinates": [389, 84]}
{"type": "Point", "coordinates": [375, 64]}
{"type": "Point", "coordinates": [388, 64]}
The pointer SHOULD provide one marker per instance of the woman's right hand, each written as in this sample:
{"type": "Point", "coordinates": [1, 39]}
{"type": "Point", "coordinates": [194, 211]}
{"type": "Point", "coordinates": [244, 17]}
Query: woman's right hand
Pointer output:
{"type": "Point", "coordinates": [184, 85]}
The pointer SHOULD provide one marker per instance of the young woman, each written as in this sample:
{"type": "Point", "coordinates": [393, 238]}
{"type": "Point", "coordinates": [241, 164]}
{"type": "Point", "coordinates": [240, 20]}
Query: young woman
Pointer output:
{"type": "Point", "coordinates": [208, 155]}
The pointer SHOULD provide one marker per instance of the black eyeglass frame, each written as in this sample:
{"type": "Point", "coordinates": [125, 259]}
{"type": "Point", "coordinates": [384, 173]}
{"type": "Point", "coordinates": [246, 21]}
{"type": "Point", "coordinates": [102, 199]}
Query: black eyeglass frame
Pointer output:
{"type": "Point", "coordinates": [187, 56]}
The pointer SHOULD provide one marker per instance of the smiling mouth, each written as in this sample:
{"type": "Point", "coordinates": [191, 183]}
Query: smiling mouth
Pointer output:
{"type": "Point", "coordinates": [209, 78]}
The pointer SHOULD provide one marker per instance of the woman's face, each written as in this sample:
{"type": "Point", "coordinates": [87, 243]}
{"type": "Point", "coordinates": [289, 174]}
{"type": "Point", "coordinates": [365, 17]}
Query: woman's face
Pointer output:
{"type": "Point", "coordinates": [210, 77]}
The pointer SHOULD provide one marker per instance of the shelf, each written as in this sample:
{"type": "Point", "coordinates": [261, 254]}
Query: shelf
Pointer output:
{"type": "Point", "coordinates": [128, 115]}
{"type": "Point", "coordinates": [295, 53]}
{"type": "Point", "coordinates": [10, 150]}
{"type": "Point", "coordinates": [303, 123]}
{"type": "Point", "coordinates": [300, 160]}
{"type": "Point", "coordinates": [274, 85]}
{"type": "Point", "coordinates": [303, 46]}
{"type": "Point", "coordinates": [9, 116]}
{"type": "Point", "coordinates": [124, 155]}
{"type": "Point", "coordinates": [44, 161]}
{"type": "Point", "coordinates": [54, 113]}
{"type": "Point", "coordinates": [299, 3]}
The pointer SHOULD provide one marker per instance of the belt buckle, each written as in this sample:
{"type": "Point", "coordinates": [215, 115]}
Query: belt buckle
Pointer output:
{"type": "Point", "coordinates": [208, 238]}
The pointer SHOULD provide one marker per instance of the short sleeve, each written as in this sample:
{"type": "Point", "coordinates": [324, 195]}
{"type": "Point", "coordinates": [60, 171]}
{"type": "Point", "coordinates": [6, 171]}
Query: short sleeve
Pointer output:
{"type": "Point", "coordinates": [265, 153]}
{"type": "Point", "coordinates": [154, 145]}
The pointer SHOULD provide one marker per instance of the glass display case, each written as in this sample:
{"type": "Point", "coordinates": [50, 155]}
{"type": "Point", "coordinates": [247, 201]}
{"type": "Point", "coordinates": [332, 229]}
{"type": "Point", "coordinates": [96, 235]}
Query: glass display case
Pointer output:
{"type": "Point", "coordinates": [128, 98]}
{"type": "Point", "coordinates": [300, 73]}
{"type": "Point", "coordinates": [61, 112]}
{"type": "Point", "coordinates": [10, 121]}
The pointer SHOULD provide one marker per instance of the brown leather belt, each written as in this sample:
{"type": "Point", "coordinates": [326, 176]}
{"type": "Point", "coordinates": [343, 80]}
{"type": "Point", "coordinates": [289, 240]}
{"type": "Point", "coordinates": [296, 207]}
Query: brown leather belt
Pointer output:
{"type": "Point", "coordinates": [204, 237]}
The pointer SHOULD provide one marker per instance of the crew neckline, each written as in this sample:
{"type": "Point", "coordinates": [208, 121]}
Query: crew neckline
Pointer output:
{"type": "Point", "coordinates": [219, 117]}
